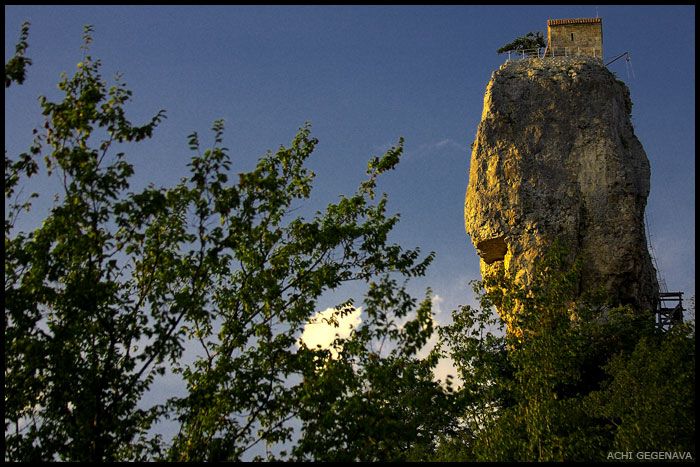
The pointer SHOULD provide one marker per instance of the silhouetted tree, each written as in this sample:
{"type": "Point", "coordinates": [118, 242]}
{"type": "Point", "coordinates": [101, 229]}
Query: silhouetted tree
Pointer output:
{"type": "Point", "coordinates": [103, 296]}
{"type": "Point", "coordinates": [529, 43]}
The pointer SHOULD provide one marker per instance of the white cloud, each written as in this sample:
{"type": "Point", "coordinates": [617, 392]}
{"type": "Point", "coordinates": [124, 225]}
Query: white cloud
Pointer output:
{"type": "Point", "coordinates": [412, 151]}
{"type": "Point", "coordinates": [436, 300]}
{"type": "Point", "coordinates": [320, 330]}
{"type": "Point", "coordinates": [429, 149]}
{"type": "Point", "coordinates": [446, 366]}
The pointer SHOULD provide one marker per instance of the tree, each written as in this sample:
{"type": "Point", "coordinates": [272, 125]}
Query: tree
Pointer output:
{"type": "Point", "coordinates": [529, 43]}
{"type": "Point", "coordinates": [84, 336]}
{"type": "Point", "coordinates": [266, 273]}
{"type": "Point", "coordinates": [104, 296]}
{"type": "Point", "coordinates": [650, 396]}
{"type": "Point", "coordinates": [16, 67]}
{"type": "Point", "coordinates": [364, 406]}
{"type": "Point", "coordinates": [569, 378]}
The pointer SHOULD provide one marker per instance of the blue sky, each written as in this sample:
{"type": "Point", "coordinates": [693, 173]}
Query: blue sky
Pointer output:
{"type": "Point", "coordinates": [363, 76]}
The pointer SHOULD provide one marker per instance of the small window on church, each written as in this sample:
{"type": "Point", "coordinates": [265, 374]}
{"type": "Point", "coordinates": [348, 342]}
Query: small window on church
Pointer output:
{"type": "Point", "coordinates": [572, 37]}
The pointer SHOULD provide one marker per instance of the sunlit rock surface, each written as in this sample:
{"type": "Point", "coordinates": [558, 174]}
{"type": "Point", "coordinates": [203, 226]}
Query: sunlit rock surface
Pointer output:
{"type": "Point", "coordinates": [555, 156]}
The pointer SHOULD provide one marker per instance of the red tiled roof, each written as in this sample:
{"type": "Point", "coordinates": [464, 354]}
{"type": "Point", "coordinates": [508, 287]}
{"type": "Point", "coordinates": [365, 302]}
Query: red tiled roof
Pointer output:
{"type": "Point", "coordinates": [557, 22]}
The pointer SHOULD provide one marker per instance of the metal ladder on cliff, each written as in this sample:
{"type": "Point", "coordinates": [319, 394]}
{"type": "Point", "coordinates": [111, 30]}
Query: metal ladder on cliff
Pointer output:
{"type": "Point", "coordinates": [669, 308]}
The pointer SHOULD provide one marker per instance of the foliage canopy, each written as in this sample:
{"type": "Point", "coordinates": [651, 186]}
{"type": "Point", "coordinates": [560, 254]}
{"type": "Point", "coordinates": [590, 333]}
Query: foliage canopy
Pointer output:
{"type": "Point", "coordinates": [529, 43]}
{"type": "Point", "coordinates": [113, 287]}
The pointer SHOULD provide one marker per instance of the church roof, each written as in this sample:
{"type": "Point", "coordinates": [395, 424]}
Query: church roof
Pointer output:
{"type": "Point", "coordinates": [557, 22]}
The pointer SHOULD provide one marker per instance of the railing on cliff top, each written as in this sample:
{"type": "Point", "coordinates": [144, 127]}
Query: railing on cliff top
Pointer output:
{"type": "Point", "coordinates": [542, 52]}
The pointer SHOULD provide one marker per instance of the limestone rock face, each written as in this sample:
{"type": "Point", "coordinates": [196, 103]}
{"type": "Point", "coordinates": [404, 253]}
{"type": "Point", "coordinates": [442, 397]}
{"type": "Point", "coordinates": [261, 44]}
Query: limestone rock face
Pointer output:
{"type": "Point", "coordinates": [556, 156]}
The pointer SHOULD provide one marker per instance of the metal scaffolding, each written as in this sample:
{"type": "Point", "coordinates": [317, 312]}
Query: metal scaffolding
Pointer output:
{"type": "Point", "coordinates": [669, 310]}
